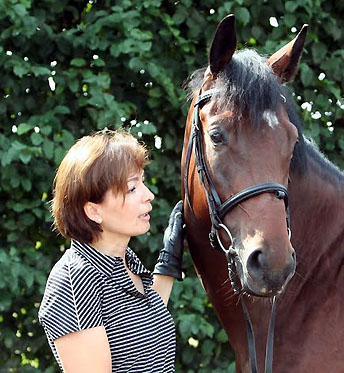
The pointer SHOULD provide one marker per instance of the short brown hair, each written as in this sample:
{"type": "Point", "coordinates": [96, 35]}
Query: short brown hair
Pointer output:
{"type": "Point", "coordinates": [91, 167]}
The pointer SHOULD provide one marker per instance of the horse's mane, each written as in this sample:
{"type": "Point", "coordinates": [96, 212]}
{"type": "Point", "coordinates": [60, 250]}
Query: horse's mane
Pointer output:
{"type": "Point", "coordinates": [309, 147]}
{"type": "Point", "coordinates": [249, 86]}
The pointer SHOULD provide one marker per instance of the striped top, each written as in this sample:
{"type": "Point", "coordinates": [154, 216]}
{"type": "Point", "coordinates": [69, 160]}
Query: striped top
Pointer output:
{"type": "Point", "coordinates": [87, 289]}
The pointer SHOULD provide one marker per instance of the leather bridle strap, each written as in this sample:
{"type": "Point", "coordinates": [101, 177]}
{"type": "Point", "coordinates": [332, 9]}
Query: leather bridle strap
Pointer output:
{"type": "Point", "coordinates": [279, 190]}
{"type": "Point", "coordinates": [251, 339]}
{"type": "Point", "coordinates": [195, 143]}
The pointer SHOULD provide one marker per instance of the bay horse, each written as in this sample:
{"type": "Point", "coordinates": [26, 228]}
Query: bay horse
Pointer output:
{"type": "Point", "coordinates": [252, 180]}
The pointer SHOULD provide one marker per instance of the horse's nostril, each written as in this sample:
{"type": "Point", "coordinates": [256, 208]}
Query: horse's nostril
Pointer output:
{"type": "Point", "coordinates": [259, 267]}
{"type": "Point", "coordinates": [256, 263]}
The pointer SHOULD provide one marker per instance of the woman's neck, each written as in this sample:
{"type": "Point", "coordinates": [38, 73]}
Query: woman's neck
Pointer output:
{"type": "Point", "coordinates": [111, 246]}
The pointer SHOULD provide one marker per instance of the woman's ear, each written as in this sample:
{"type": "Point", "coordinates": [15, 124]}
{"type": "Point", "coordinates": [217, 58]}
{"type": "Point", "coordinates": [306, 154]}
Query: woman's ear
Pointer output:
{"type": "Point", "coordinates": [92, 211]}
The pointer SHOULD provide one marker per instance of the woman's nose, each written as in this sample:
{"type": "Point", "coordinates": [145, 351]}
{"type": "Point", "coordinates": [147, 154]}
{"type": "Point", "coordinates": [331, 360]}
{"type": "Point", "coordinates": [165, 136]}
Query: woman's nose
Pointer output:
{"type": "Point", "coordinates": [150, 196]}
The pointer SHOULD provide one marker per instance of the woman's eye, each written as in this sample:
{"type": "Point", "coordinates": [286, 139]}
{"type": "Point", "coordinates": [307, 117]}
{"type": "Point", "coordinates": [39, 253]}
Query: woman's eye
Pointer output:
{"type": "Point", "coordinates": [216, 138]}
{"type": "Point", "coordinates": [131, 190]}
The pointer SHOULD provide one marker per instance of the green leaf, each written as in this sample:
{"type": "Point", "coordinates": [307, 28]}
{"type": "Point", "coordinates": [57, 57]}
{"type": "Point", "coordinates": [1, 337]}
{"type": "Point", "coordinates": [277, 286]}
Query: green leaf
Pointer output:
{"type": "Point", "coordinates": [104, 80]}
{"type": "Point", "coordinates": [243, 15]}
{"type": "Point", "coordinates": [67, 139]}
{"type": "Point", "coordinates": [115, 50]}
{"type": "Point", "coordinates": [29, 278]}
{"type": "Point", "coordinates": [17, 145]}
{"type": "Point", "coordinates": [24, 127]}
{"type": "Point", "coordinates": [319, 51]}
{"type": "Point", "coordinates": [62, 109]}
{"type": "Point", "coordinates": [341, 143]}
{"type": "Point", "coordinates": [48, 148]}
{"type": "Point", "coordinates": [40, 71]}
{"type": "Point", "coordinates": [148, 129]}
{"type": "Point", "coordinates": [153, 70]}
{"type": "Point", "coordinates": [26, 183]}
{"type": "Point", "coordinates": [207, 329]}
{"type": "Point", "coordinates": [290, 20]}
{"type": "Point", "coordinates": [52, 369]}
{"type": "Point", "coordinates": [222, 336]}
{"type": "Point", "coordinates": [290, 6]}
{"type": "Point", "coordinates": [25, 157]}
{"type": "Point", "coordinates": [307, 75]}
{"type": "Point", "coordinates": [208, 347]}
{"type": "Point", "coordinates": [19, 207]}
{"type": "Point", "coordinates": [46, 130]}
{"type": "Point", "coordinates": [99, 62]}
{"type": "Point", "coordinates": [27, 219]}
{"type": "Point", "coordinates": [59, 153]}
{"type": "Point", "coordinates": [155, 92]}
{"type": "Point", "coordinates": [78, 62]}
{"type": "Point", "coordinates": [180, 15]}
{"type": "Point", "coordinates": [232, 368]}
{"type": "Point", "coordinates": [15, 181]}
{"type": "Point", "coordinates": [36, 138]}
{"type": "Point", "coordinates": [20, 10]}
{"type": "Point", "coordinates": [73, 85]}
{"type": "Point", "coordinates": [20, 70]}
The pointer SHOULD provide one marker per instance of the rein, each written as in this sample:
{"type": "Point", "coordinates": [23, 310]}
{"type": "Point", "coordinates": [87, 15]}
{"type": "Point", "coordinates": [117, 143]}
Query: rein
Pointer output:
{"type": "Point", "coordinates": [217, 211]}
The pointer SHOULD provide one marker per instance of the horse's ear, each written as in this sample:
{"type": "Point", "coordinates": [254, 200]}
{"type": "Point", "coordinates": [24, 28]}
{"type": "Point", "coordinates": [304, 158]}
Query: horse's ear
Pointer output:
{"type": "Point", "coordinates": [223, 45]}
{"type": "Point", "coordinates": [284, 62]}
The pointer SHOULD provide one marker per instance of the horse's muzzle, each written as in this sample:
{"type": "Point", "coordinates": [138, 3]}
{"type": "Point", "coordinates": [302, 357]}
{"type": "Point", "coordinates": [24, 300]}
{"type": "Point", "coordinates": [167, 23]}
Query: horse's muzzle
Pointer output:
{"type": "Point", "coordinates": [259, 276]}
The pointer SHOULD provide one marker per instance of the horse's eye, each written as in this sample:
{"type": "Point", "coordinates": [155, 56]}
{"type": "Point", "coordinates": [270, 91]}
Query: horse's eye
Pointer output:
{"type": "Point", "coordinates": [216, 138]}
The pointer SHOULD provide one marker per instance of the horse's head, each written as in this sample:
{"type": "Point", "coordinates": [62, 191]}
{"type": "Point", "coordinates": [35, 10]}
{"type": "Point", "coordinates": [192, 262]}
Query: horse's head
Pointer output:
{"type": "Point", "coordinates": [247, 140]}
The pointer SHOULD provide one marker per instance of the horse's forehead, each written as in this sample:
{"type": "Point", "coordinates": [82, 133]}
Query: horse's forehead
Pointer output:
{"type": "Point", "coordinates": [211, 114]}
{"type": "Point", "coordinates": [214, 113]}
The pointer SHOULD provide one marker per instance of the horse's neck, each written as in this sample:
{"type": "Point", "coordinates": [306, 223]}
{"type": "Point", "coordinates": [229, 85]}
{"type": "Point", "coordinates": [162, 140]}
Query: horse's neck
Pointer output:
{"type": "Point", "coordinates": [317, 218]}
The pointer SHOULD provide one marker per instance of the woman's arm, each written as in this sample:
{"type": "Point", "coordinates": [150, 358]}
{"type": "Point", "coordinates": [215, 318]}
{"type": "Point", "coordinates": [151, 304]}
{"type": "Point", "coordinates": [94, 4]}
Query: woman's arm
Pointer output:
{"type": "Point", "coordinates": [85, 351]}
{"type": "Point", "coordinates": [163, 286]}
{"type": "Point", "coordinates": [169, 264]}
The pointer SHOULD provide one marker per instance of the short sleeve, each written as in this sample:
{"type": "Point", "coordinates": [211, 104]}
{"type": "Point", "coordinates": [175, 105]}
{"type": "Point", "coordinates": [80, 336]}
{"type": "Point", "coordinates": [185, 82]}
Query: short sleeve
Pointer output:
{"type": "Point", "coordinates": [72, 298]}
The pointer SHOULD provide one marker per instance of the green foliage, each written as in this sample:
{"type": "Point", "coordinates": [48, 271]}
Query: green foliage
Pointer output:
{"type": "Point", "coordinates": [71, 67]}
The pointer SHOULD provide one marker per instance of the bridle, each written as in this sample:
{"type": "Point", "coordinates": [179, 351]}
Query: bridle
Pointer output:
{"type": "Point", "coordinates": [217, 211]}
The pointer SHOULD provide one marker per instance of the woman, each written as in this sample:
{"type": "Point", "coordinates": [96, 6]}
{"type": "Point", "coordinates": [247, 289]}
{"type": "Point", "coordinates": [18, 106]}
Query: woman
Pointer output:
{"type": "Point", "coordinates": [102, 311]}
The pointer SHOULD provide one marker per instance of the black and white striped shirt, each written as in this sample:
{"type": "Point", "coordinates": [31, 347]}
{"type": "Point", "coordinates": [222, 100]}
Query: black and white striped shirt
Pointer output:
{"type": "Point", "coordinates": [87, 289]}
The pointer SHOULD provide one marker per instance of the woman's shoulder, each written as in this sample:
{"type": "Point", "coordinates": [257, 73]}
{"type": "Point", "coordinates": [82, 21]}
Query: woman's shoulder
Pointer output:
{"type": "Point", "coordinates": [73, 292]}
{"type": "Point", "coordinates": [72, 268]}
{"type": "Point", "coordinates": [69, 280]}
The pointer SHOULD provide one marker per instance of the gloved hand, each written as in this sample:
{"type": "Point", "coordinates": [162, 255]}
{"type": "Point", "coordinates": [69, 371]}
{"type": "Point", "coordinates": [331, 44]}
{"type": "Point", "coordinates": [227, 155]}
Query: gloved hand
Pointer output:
{"type": "Point", "coordinates": [171, 255]}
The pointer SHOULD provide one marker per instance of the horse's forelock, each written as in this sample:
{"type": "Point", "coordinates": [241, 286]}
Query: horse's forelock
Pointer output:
{"type": "Point", "coordinates": [194, 82]}
{"type": "Point", "coordinates": [249, 86]}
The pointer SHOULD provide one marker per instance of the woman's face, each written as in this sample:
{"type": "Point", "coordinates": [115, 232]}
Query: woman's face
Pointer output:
{"type": "Point", "coordinates": [123, 218]}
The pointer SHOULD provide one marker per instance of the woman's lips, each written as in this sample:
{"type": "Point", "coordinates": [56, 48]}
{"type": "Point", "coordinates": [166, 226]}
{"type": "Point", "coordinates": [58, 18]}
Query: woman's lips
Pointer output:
{"type": "Point", "coordinates": [145, 216]}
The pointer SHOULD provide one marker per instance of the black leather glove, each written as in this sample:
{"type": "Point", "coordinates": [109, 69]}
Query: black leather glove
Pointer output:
{"type": "Point", "coordinates": [171, 255]}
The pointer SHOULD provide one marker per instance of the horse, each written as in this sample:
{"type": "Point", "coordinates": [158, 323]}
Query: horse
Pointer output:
{"type": "Point", "coordinates": [264, 211]}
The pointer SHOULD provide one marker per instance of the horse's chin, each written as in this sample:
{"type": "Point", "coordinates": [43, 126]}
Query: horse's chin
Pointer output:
{"type": "Point", "coordinates": [263, 293]}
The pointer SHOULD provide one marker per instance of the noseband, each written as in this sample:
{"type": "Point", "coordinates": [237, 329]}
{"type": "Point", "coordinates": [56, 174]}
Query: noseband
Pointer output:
{"type": "Point", "coordinates": [217, 211]}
